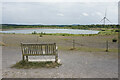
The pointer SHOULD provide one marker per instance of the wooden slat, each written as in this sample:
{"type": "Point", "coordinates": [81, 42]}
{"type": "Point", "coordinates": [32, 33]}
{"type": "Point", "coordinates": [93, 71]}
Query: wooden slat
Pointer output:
{"type": "Point", "coordinates": [49, 49]}
{"type": "Point", "coordinates": [31, 49]}
{"type": "Point", "coordinates": [46, 49]}
{"type": "Point", "coordinates": [35, 43]}
{"type": "Point", "coordinates": [37, 49]}
{"type": "Point", "coordinates": [41, 49]}
{"type": "Point", "coordinates": [38, 54]}
{"type": "Point", "coordinates": [22, 48]}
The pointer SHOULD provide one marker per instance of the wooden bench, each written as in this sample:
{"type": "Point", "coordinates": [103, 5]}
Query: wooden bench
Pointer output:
{"type": "Point", "coordinates": [32, 49]}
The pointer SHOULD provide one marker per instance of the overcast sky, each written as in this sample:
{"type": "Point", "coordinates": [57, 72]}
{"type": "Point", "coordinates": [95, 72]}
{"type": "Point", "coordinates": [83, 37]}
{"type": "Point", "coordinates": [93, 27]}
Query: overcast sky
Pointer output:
{"type": "Point", "coordinates": [58, 12]}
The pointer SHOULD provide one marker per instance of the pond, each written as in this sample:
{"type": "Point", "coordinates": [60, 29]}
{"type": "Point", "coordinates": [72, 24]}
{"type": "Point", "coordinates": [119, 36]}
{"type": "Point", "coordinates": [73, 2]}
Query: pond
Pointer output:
{"type": "Point", "coordinates": [68, 31]}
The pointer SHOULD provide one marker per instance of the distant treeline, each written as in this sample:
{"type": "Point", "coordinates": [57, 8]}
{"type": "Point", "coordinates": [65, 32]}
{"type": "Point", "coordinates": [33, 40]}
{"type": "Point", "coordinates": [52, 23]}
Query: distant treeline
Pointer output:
{"type": "Point", "coordinates": [11, 26]}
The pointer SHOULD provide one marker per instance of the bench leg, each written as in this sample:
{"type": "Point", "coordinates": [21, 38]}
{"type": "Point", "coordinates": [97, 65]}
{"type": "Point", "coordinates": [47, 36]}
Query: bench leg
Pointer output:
{"type": "Point", "coordinates": [23, 57]}
{"type": "Point", "coordinates": [27, 58]}
{"type": "Point", "coordinates": [56, 58]}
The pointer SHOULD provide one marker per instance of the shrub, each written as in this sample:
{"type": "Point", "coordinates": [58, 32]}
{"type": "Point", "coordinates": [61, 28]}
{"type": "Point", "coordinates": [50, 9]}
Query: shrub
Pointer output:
{"type": "Point", "coordinates": [102, 30]}
{"type": "Point", "coordinates": [117, 30]}
{"type": "Point", "coordinates": [114, 40]}
{"type": "Point", "coordinates": [63, 34]}
{"type": "Point", "coordinates": [41, 35]}
{"type": "Point", "coordinates": [34, 32]}
{"type": "Point", "coordinates": [90, 34]}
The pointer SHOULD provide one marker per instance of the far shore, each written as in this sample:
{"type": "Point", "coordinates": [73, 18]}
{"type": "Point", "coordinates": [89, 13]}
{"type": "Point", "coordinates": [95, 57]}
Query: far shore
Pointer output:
{"type": "Point", "coordinates": [33, 28]}
{"type": "Point", "coordinates": [98, 29]}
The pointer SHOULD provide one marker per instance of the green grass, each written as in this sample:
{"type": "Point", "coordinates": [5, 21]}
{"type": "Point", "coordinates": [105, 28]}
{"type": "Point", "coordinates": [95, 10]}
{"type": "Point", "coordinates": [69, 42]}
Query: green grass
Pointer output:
{"type": "Point", "coordinates": [108, 32]}
{"type": "Point", "coordinates": [86, 49]}
{"type": "Point", "coordinates": [65, 34]}
{"type": "Point", "coordinates": [27, 65]}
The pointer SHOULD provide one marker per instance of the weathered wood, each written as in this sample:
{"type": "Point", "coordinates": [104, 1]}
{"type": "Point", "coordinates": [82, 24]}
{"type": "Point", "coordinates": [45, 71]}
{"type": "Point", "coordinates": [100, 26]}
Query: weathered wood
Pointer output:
{"type": "Point", "coordinates": [39, 50]}
{"type": "Point", "coordinates": [106, 46]}
{"type": "Point", "coordinates": [56, 58]}
{"type": "Point", "coordinates": [27, 58]}
{"type": "Point", "coordinates": [23, 58]}
{"type": "Point", "coordinates": [73, 44]}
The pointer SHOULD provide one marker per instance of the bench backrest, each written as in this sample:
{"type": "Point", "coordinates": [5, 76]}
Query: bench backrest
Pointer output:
{"type": "Point", "coordinates": [38, 49]}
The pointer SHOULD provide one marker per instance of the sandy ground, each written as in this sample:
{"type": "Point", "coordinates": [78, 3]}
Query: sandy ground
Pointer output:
{"type": "Point", "coordinates": [75, 63]}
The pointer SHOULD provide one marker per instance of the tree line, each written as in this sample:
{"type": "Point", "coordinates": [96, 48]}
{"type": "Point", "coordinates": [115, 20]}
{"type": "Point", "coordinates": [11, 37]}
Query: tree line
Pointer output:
{"type": "Point", "coordinates": [7, 26]}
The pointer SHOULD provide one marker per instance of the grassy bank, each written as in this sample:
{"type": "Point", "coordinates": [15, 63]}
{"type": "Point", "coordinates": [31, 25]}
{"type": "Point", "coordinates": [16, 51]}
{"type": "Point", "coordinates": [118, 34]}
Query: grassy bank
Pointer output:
{"type": "Point", "coordinates": [102, 32]}
{"type": "Point", "coordinates": [28, 65]}
{"type": "Point", "coordinates": [89, 49]}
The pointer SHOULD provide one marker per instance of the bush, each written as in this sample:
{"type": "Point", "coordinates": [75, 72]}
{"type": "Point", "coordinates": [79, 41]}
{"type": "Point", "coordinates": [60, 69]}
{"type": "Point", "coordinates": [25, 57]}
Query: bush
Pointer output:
{"type": "Point", "coordinates": [117, 30]}
{"type": "Point", "coordinates": [41, 35]}
{"type": "Point", "coordinates": [102, 30]}
{"type": "Point", "coordinates": [34, 32]}
{"type": "Point", "coordinates": [63, 34]}
{"type": "Point", "coordinates": [90, 34]}
{"type": "Point", "coordinates": [114, 40]}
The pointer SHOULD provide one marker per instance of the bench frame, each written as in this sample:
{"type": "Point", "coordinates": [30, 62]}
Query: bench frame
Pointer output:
{"type": "Point", "coordinates": [35, 49]}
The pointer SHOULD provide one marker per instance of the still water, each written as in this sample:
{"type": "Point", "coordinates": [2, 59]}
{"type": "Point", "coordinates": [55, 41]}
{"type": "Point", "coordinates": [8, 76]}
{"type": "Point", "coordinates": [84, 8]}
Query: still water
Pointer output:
{"type": "Point", "coordinates": [68, 31]}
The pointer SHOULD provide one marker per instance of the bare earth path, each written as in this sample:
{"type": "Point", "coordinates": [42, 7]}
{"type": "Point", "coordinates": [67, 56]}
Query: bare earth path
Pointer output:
{"type": "Point", "coordinates": [75, 63]}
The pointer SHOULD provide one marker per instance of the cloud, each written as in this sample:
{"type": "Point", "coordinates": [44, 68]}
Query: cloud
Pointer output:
{"type": "Point", "coordinates": [59, 0]}
{"type": "Point", "coordinates": [85, 14]}
{"type": "Point", "coordinates": [60, 14]}
{"type": "Point", "coordinates": [53, 13]}
{"type": "Point", "coordinates": [99, 13]}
